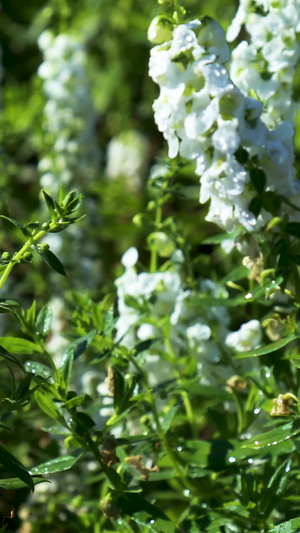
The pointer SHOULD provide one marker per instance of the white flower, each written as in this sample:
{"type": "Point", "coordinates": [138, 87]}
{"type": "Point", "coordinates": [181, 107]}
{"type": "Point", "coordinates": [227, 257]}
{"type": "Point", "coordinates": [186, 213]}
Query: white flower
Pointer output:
{"type": "Point", "coordinates": [267, 63]}
{"type": "Point", "coordinates": [130, 258]}
{"type": "Point", "coordinates": [69, 112]}
{"type": "Point", "coordinates": [205, 118]}
{"type": "Point", "coordinates": [247, 338]}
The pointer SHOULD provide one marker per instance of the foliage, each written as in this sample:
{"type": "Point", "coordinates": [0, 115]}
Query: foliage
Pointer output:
{"type": "Point", "coordinates": [149, 343]}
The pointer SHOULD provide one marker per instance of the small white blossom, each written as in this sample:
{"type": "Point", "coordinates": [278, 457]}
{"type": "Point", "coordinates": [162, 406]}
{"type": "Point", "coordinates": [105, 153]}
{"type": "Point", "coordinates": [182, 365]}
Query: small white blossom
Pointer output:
{"type": "Point", "coordinates": [267, 63]}
{"type": "Point", "coordinates": [247, 338]}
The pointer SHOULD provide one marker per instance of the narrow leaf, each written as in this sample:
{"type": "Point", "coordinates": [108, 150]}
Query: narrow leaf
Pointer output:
{"type": "Point", "coordinates": [51, 260]}
{"type": "Point", "coordinates": [44, 321]}
{"type": "Point", "coordinates": [18, 225]}
{"type": "Point", "coordinates": [11, 358]}
{"type": "Point", "coordinates": [19, 345]}
{"type": "Point", "coordinates": [263, 350]}
{"type": "Point", "coordinates": [13, 465]}
{"type": "Point", "coordinates": [15, 483]}
{"type": "Point", "coordinates": [59, 464]}
{"type": "Point", "coordinates": [275, 436]}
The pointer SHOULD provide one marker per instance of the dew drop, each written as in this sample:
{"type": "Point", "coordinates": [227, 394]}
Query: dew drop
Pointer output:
{"type": "Point", "coordinates": [256, 442]}
{"type": "Point", "coordinates": [269, 444]}
{"type": "Point", "coordinates": [257, 410]}
{"type": "Point", "coordinates": [250, 461]}
{"type": "Point", "coordinates": [152, 521]}
{"type": "Point", "coordinates": [248, 296]}
{"type": "Point", "coordinates": [179, 448]}
{"type": "Point", "coordinates": [186, 492]}
{"type": "Point", "coordinates": [232, 459]}
{"type": "Point", "coordinates": [274, 442]}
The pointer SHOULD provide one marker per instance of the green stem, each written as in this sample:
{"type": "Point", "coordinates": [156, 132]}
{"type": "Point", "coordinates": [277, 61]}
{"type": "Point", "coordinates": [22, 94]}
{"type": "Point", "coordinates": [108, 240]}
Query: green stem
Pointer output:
{"type": "Point", "coordinates": [296, 277]}
{"type": "Point", "coordinates": [184, 394]}
{"type": "Point", "coordinates": [162, 435]}
{"type": "Point", "coordinates": [20, 254]}
{"type": "Point", "coordinates": [153, 259]}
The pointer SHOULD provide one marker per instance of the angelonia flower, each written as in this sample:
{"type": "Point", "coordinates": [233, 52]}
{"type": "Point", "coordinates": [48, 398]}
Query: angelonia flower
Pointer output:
{"type": "Point", "coordinates": [128, 158]}
{"type": "Point", "coordinates": [69, 113]}
{"type": "Point", "coordinates": [267, 63]}
{"type": "Point", "coordinates": [205, 118]}
{"type": "Point", "coordinates": [156, 305]}
{"type": "Point", "coordinates": [247, 338]}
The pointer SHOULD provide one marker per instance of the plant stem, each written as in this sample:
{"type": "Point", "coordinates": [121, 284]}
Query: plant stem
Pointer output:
{"type": "Point", "coordinates": [162, 435]}
{"type": "Point", "coordinates": [153, 260]}
{"type": "Point", "coordinates": [184, 394]}
{"type": "Point", "coordinates": [20, 254]}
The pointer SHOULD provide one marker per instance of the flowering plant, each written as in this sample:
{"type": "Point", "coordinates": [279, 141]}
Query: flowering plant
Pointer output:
{"type": "Point", "coordinates": [155, 388]}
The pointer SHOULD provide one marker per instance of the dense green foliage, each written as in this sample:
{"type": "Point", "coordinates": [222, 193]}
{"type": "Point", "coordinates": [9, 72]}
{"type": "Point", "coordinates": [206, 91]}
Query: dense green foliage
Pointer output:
{"type": "Point", "coordinates": [91, 439]}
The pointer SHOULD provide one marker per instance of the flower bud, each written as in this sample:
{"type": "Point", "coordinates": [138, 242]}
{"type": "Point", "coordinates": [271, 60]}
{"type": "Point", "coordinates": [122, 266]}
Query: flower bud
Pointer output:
{"type": "Point", "coordinates": [165, 246]}
{"type": "Point", "coordinates": [44, 247]}
{"type": "Point", "coordinates": [160, 30]}
{"type": "Point", "coordinates": [6, 256]}
{"type": "Point", "coordinates": [109, 507]}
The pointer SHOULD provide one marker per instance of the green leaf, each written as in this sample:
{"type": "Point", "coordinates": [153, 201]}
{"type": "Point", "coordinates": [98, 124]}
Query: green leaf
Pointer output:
{"type": "Point", "coordinates": [9, 405]}
{"type": "Point", "coordinates": [15, 483]}
{"type": "Point", "coordinates": [119, 387]}
{"type": "Point", "coordinates": [44, 321]}
{"type": "Point", "coordinates": [50, 203]}
{"type": "Point", "coordinates": [275, 436]}
{"type": "Point", "coordinates": [72, 352]}
{"type": "Point", "coordinates": [13, 465]}
{"type": "Point", "coordinates": [51, 260]}
{"type": "Point", "coordinates": [19, 345]}
{"type": "Point", "coordinates": [238, 273]}
{"type": "Point", "coordinates": [168, 418]}
{"type": "Point", "coordinates": [154, 525]}
{"type": "Point", "coordinates": [23, 388]}
{"type": "Point", "coordinates": [48, 406]}
{"type": "Point", "coordinates": [81, 423]}
{"type": "Point", "coordinates": [80, 345]}
{"type": "Point", "coordinates": [206, 391]}
{"type": "Point", "coordinates": [74, 402]}
{"type": "Point", "coordinates": [145, 345]}
{"type": "Point", "coordinates": [132, 503]}
{"type": "Point", "coordinates": [291, 526]}
{"type": "Point", "coordinates": [113, 477]}
{"type": "Point", "coordinates": [258, 178]}
{"type": "Point", "coordinates": [5, 305]}
{"type": "Point", "coordinates": [18, 225]}
{"type": "Point", "coordinates": [263, 350]}
{"type": "Point", "coordinates": [38, 369]}
{"type": "Point", "coordinates": [275, 487]}
{"type": "Point", "coordinates": [59, 464]}
{"type": "Point", "coordinates": [11, 358]}
{"type": "Point", "coordinates": [293, 228]}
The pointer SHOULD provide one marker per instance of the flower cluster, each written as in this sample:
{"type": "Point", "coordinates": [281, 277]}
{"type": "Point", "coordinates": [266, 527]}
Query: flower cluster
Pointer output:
{"type": "Point", "coordinates": [69, 112]}
{"type": "Point", "coordinates": [205, 118]}
{"type": "Point", "coordinates": [267, 63]}
{"type": "Point", "coordinates": [157, 306]}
